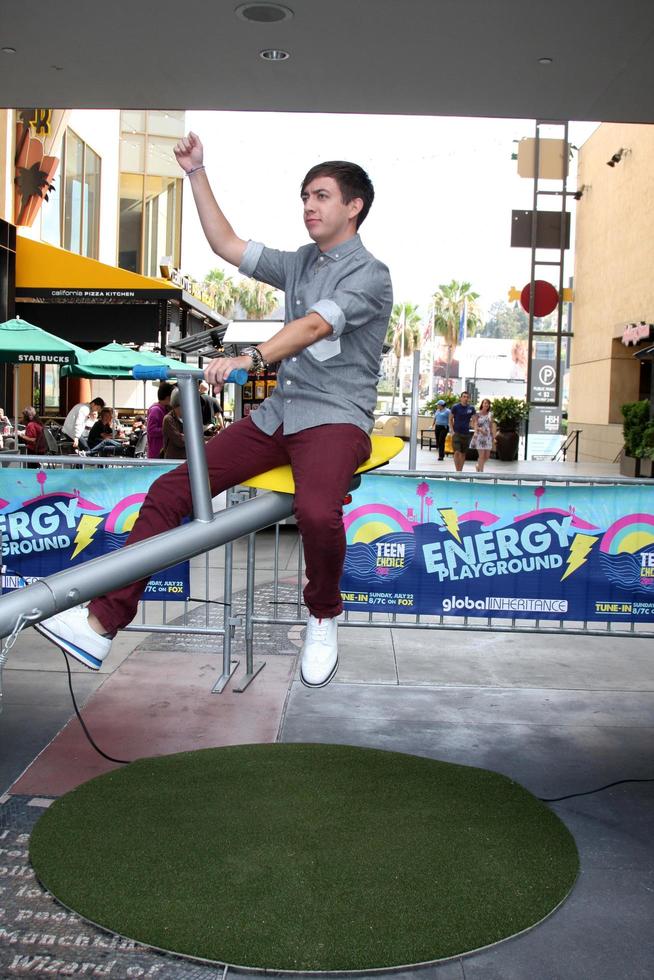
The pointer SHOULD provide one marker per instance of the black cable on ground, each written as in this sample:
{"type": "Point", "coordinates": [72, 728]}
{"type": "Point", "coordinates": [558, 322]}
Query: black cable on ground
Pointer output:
{"type": "Point", "coordinates": [589, 792]}
{"type": "Point", "coordinates": [126, 762]}
{"type": "Point", "coordinates": [122, 762]}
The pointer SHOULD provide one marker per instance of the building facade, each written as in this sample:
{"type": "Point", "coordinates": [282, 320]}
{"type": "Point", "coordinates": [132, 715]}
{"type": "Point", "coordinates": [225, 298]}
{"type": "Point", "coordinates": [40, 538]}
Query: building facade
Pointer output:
{"type": "Point", "coordinates": [613, 313]}
{"type": "Point", "coordinates": [91, 205]}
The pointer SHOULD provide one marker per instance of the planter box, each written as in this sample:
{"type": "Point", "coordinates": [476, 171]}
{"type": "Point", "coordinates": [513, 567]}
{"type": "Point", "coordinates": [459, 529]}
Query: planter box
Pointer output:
{"type": "Point", "coordinates": [647, 468]}
{"type": "Point", "coordinates": [630, 465]}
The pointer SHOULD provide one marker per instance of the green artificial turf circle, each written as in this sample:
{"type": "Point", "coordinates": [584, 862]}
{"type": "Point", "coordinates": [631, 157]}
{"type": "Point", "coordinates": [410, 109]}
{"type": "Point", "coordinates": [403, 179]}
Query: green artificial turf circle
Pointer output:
{"type": "Point", "coordinates": [305, 857]}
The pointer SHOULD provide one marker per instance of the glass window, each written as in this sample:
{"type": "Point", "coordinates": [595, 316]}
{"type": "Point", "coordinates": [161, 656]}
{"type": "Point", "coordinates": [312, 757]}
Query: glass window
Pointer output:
{"type": "Point", "coordinates": [132, 154]}
{"type": "Point", "coordinates": [51, 215]}
{"type": "Point", "coordinates": [161, 159]}
{"type": "Point", "coordinates": [91, 226]}
{"type": "Point", "coordinates": [74, 173]}
{"type": "Point", "coordinates": [169, 122]}
{"type": "Point", "coordinates": [51, 210]}
{"type": "Point", "coordinates": [132, 121]}
{"type": "Point", "coordinates": [151, 192]}
{"type": "Point", "coordinates": [161, 222]}
{"type": "Point", "coordinates": [130, 217]}
{"type": "Point", "coordinates": [50, 388]}
{"type": "Point", "coordinates": [80, 198]}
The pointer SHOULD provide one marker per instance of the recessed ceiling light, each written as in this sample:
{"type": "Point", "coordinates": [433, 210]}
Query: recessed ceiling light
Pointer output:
{"type": "Point", "coordinates": [263, 13]}
{"type": "Point", "coordinates": [545, 61]}
{"type": "Point", "coordinates": [274, 54]}
{"type": "Point", "coordinates": [9, 50]}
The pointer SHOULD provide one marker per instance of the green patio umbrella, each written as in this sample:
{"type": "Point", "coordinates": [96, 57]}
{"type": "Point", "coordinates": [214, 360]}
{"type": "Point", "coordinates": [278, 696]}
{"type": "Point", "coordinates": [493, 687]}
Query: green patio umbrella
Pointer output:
{"type": "Point", "coordinates": [115, 361]}
{"type": "Point", "coordinates": [24, 343]}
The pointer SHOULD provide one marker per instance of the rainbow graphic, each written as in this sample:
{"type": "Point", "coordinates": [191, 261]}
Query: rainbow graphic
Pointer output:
{"type": "Point", "coordinates": [629, 534]}
{"type": "Point", "coordinates": [122, 517]}
{"type": "Point", "coordinates": [372, 521]}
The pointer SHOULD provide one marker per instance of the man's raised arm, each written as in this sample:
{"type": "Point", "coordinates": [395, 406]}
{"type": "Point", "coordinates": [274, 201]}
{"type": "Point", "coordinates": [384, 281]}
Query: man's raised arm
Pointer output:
{"type": "Point", "coordinates": [219, 233]}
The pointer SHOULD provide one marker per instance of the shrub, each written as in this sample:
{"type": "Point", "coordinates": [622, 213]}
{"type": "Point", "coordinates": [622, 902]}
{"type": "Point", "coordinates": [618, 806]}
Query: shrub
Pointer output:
{"type": "Point", "coordinates": [509, 412]}
{"type": "Point", "coordinates": [430, 407]}
{"type": "Point", "coordinates": [636, 425]}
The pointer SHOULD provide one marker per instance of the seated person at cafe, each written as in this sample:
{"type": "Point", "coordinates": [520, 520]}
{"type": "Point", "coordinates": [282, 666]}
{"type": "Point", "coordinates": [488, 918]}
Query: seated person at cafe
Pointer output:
{"type": "Point", "coordinates": [101, 438]}
{"type": "Point", "coordinates": [6, 439]}
{"type": "Point", "coordinates": [32, 435]}
{"type": "Point", "coordinates": [77, 419]}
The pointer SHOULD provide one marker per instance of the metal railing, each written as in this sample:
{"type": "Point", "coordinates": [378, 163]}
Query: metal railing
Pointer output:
{"type": "Point", "coordinates": [289, 595]}
{"type": "Point", "coordinates": [280, 604]}
{"type": "Point", "coordinates": [571, 442]}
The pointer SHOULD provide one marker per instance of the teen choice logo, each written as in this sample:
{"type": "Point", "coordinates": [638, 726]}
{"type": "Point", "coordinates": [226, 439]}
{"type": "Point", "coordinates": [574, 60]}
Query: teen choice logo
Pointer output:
{"type": "Point", "coordinates": [372, 521]}
{"type": "Point", "coordinates": [627, 552]}
{"type": "Point", "coordinates": [629, 534]}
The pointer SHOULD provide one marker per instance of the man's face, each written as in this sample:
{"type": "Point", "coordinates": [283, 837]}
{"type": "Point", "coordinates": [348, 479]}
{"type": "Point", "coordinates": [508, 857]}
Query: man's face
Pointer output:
{"type": "Point", "coordinates": [464, 398]}
{"type": "Point", "coordinates": [328, 219]}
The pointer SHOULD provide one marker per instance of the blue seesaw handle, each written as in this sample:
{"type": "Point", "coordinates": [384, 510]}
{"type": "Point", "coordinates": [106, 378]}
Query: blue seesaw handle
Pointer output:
{"type": "Point", "coordinates": [144, 372]}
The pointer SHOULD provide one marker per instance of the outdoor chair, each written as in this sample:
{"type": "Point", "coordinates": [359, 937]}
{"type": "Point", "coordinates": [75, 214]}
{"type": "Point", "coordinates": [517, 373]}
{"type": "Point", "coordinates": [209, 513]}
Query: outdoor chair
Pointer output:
{"type": "Point", "coordinates": [57, 443]}
{"type": "Point", "coordinates": [141, 445]}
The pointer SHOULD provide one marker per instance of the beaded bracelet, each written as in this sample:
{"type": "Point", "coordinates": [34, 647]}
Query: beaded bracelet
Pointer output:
{"type": "Point", "coordinates": [194, 170]}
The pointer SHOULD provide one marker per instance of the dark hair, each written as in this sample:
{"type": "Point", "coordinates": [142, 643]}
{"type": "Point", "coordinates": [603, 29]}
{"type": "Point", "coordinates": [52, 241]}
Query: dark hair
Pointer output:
{"type": "Point", "coordinates": [164, 390]}
{"type": "Point", "coordinates": [98, 401]}
{"type": "Point", "coordinates": [352, 181]}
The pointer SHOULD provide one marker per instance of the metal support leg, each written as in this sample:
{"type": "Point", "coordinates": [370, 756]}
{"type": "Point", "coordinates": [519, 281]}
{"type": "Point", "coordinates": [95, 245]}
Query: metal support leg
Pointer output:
{"type": "Point", "coordinates": [250, 672]}
{"type": "Point", "coordinates": [229, 665]}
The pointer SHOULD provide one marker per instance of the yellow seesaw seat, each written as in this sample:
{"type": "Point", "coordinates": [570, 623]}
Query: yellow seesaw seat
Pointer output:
{"type": "Point", "coordinates": [384, 448]}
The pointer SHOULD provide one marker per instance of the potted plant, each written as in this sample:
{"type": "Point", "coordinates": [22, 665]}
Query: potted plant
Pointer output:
{"type": "Point", "coordinates": [647, 445]}
{"type": "Point", "coordinates": [508, 413]}
{"type": "Point", "coordinates": [638, 432]}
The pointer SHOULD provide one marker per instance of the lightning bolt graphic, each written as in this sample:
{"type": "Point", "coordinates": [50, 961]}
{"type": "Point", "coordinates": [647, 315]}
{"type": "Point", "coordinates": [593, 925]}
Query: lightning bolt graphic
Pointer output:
{"type": "Point", "coordinates": [579, 550]}
{"type": "Point", "coordinates": [85, 531]}
{"type": "Point", "coordinates": [451, 521]}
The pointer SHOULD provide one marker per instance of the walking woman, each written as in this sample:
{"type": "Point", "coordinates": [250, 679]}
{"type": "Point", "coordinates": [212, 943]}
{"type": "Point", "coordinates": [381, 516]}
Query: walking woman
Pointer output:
{"type": "Point", "coordinates": [483, 439]}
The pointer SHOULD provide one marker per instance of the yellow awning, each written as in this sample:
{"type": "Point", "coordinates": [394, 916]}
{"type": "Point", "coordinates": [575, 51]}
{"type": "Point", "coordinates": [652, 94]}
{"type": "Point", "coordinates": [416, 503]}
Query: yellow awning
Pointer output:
{"type": "Point", "coordinates": [44, 271]}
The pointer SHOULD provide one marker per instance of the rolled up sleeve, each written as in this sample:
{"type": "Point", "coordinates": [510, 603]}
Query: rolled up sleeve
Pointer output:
{"type": "Point", "coordinates": [332, 313]}
{"type": "Point", "coordinates": [266, 264]}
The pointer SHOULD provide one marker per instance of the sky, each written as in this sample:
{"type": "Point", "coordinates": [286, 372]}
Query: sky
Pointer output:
{"type": "Point", "coordinates": [444, 192]}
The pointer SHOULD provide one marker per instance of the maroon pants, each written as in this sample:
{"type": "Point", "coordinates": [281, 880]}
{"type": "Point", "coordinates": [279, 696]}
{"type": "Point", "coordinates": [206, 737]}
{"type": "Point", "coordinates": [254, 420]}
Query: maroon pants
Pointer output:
{"type": "Point", "coordinates": [323, 460]}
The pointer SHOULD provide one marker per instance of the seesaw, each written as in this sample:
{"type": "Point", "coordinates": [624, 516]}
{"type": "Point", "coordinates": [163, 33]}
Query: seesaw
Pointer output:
{"type": "Point", "coordinates": [81, 583]}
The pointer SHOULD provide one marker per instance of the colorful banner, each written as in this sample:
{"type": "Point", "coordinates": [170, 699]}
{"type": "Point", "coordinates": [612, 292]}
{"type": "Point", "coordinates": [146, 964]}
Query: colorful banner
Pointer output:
{"type": "Point", "coordinates": [480, 549]}
{"type": "Point", "coordinates": [51, 519]}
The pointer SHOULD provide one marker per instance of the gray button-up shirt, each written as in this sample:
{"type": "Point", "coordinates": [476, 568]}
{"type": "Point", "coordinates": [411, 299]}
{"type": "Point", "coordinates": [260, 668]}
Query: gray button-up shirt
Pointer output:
{"type": "Point", "coordinates": [335, 379]}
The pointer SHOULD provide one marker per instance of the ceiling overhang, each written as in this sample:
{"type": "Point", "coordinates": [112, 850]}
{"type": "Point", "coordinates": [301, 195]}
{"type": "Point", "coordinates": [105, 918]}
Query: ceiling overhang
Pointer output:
{"type": "Point", "coordinates": [421, 57]}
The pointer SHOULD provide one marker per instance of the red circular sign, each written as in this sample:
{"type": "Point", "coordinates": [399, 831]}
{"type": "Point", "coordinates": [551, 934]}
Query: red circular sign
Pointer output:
{"type": "Point", "coordinates": [546, 298]}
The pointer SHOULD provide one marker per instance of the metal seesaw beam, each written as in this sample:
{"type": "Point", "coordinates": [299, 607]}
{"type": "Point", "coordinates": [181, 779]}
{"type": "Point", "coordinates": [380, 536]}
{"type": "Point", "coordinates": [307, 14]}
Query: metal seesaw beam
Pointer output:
{"type": "Point", "coordinates": [100, 575]}
{"type": "Point", "coordinates": [141, 560]}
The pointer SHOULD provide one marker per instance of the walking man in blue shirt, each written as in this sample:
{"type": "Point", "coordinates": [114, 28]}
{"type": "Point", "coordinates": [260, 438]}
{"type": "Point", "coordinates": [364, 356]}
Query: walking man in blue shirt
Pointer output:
{"type": "Point", "coordinates": [318, 418]}
{"type": "Point", "coordinates": [461, 416]}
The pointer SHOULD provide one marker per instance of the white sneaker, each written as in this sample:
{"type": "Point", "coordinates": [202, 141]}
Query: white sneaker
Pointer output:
{"type": "Point", "coordinates": [70, 630]}
{"type": "Point", "coordinates": [319, 653]}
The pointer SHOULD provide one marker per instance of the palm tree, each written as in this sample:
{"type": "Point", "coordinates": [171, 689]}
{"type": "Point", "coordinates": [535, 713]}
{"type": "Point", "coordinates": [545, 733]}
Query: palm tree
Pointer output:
{"type": "Point", "coordinates": [404, 336]}
{"type": "Point", "coordinates": [224, 291]}
{"type": "Point", "coordinates": [450, 301]}
{"type": "Point", "coordinates": [257, 299]}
